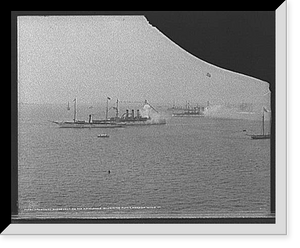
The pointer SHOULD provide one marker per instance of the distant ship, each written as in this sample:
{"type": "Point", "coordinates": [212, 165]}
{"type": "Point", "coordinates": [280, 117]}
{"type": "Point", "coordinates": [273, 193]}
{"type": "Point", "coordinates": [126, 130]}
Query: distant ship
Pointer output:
{"type": "Point", "coordinates": [115, 122]}
{"type": "Point", "coordinates": [195, 112]}
{"type": "Point", "coordinates": [86, 124]}
{"type": "Point", "coordinates": [189, 111]}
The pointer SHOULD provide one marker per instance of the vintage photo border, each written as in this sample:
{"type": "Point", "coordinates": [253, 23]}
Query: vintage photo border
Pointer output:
{"type": "Point", "coordinates": [182, 226]}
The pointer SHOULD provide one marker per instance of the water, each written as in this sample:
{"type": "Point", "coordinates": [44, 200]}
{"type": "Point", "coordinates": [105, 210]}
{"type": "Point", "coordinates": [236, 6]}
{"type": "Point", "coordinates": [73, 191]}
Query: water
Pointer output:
{"type": "Point", "coordinates": [190, 167]}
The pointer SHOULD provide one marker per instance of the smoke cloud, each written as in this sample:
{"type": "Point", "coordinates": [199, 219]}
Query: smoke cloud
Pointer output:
{"type": "Point", "coordinates": [155, 117]}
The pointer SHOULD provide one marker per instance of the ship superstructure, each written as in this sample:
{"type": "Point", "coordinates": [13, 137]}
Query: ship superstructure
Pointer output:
{"type": "Point", "coordinates": [139, 117]}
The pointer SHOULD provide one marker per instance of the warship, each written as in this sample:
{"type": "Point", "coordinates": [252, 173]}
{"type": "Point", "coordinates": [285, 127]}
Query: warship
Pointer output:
{"type": "Point", "coordinates": [126, 119]}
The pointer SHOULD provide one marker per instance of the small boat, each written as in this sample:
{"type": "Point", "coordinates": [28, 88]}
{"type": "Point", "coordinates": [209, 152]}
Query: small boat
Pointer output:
{"type": "Point", "coordinates": [103, 135]}
{"type": "Point", "coordinates": [263, 135]}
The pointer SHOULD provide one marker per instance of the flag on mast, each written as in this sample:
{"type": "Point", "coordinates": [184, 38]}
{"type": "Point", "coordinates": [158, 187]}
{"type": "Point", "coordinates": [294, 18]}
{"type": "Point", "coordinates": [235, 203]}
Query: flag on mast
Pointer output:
{"type": "Point", "coordinates": [266, 110]}
{"type": "Point", "coordinates": [108, 98]}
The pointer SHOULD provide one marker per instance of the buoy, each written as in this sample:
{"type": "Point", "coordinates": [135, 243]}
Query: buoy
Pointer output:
{"type": "Point", "coordinates": [108, 171]}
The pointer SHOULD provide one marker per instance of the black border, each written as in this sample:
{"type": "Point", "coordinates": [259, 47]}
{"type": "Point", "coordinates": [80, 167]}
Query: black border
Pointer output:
{"type": "Point", "coordinates": [154, 17]}
{"type": "Point", "coordinates": [14, 119]}
{"type": "Point", "coordinates": [265, 220]}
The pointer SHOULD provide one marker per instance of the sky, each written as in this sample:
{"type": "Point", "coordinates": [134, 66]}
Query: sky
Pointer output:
{"type": "Point", "coordinates": [125, 57]}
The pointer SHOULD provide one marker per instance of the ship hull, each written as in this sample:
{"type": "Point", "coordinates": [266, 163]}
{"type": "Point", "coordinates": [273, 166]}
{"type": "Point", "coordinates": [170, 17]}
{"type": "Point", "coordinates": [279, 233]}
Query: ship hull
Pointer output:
{"type": "Point", "coordinates": [87, 125]}
{"type": "Point", "coordinates": [108, 125]}
{"type": "Point", "coordinates": [261, 136]}
{"type": "Point", "coordinates": [185, 115]}
{"type": "Point", "coordinates": [145, 123]}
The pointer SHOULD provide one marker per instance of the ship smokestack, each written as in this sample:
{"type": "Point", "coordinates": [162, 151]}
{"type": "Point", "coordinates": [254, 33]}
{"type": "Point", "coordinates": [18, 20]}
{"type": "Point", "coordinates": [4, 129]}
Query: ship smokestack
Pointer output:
{"type": "Point", "coordinates": [138, 113]}
{"type": "Point", "coordinates": [132, 114]}
{"type": "Point", "coordinates": [127, 113]}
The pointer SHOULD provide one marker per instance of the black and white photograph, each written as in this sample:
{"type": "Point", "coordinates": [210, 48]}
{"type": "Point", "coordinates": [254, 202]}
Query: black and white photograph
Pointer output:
{"type": "Point", "coordinates": [118, 121]}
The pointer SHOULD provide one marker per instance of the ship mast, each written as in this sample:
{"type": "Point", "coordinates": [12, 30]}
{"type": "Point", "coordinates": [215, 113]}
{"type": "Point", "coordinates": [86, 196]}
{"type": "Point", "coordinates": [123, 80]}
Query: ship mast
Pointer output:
{"type": "Point", "coordinates": [117, 108]}
{"type": "Point", "coordinates": [75, 109]}
{"type": "Point", "coordinates": [106, 112]}
{"type": "Point", "coordinates": [263, 122]}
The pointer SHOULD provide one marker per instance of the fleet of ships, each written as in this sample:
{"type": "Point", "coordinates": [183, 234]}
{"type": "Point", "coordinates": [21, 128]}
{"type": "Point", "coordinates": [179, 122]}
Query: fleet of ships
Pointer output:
{"type": "Point", "coordinates": [149, 116]}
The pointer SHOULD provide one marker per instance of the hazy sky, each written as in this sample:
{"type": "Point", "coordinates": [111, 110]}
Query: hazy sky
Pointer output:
{"type": "Point", "coordinates": [124, 57]}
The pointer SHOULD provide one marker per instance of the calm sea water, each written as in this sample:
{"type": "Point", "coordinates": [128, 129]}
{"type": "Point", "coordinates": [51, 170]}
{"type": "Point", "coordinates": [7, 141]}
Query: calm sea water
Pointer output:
{"type": "Point", "coordinates": [190, 167]}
